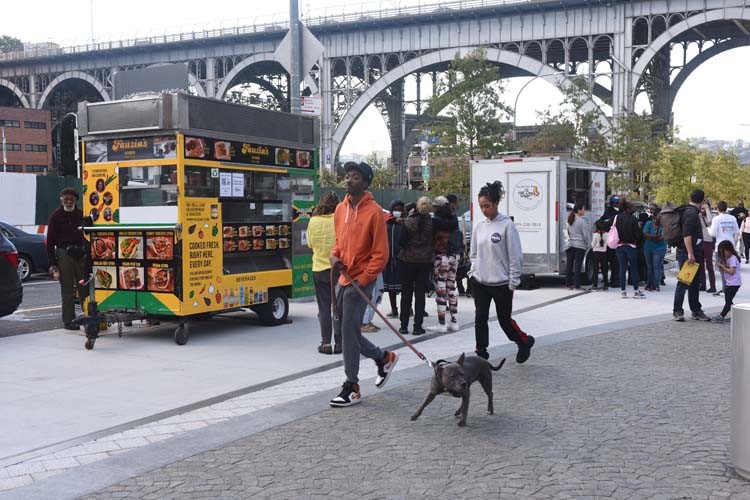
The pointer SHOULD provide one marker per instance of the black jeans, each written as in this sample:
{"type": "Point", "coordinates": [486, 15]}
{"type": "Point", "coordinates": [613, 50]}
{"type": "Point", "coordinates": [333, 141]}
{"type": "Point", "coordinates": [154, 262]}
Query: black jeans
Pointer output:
{"type": "Point", "coordinates": [503, 297]}
{"type": "Point", "coordinates": [322, 281]}
{"type": "Point", "coordinates": [413, 282]}
{"type": "Point", "coordinates": [746, 242]}
{"type": "Point", "coordinates": [693, 290]}
{"type": "Point", "coordinates": [600, 262]}
{"type": "Point", "coordinates": [613, 267]}
{"type": "Point", "coordinates": [573, 263]}
{"type": "Point", "coordinates": [729, 293]}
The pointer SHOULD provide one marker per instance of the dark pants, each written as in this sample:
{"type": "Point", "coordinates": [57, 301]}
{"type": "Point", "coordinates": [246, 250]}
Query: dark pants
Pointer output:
{"type": "Point", "coordinates": [323, 295]}
{"type": "Point", "coordinates": [574, 262]}
{"type": "Point", "coordinates": [627, 257]}
{"type": "Point", "coordinates": [613, 267]}
{"type": "Point", "coordinates": [746, 242]}
{"type": "Point", "coordinates": [503, 297]}
{"type": "Point", "coordinates": [460, 276]}
{"type": "Point", "coordinates": [72, 272]}
{"type": "Point", "coordinates": [693, 289]}
{"type": "Point", "coordinates": [708, 264]}
{"type": "Point", "coordinates": [729, 294]}
{"type": "Point", "coordinates": [347, 324]}
{"type": "Point", "coordinates": [413, 282]}
{"type": "Point", "coordinates": [600, 263]}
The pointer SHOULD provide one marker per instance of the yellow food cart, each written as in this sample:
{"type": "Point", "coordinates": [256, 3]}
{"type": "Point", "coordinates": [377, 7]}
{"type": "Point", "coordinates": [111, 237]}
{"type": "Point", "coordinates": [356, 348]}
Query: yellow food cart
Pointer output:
{"type": "Point", "coordinates": [195, 207]}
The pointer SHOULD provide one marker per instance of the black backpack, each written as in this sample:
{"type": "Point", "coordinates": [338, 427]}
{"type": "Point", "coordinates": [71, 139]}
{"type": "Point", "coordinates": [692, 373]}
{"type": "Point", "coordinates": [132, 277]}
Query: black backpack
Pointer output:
{"type": "Point", "coordinates": [671, 222]}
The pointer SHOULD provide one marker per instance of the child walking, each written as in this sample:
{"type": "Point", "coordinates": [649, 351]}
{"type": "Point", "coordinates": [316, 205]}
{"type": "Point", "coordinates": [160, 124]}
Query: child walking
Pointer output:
{"type": "Point", "coordinates": [730, 264]}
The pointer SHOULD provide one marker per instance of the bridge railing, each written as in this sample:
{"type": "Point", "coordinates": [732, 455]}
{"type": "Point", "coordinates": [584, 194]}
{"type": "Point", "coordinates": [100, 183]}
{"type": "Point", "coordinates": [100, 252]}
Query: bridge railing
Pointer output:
{"type": "Point", "coordinates": [317, 18]}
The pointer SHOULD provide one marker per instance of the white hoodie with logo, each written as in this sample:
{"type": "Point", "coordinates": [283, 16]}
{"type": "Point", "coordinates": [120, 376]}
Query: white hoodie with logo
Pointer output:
{"type": "Point", "coordinates": [496, 254]}
{"type": "Point", "coordinates": [724, 228]}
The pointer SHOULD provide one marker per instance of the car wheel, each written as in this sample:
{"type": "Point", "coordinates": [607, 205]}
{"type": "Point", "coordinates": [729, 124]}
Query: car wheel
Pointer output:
{"type": "Point", "coordinates": [24, 267]}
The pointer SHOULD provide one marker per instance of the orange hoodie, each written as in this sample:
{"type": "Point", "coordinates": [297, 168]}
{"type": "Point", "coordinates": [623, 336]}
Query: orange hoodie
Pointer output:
{"type": "Point", "coordinates": [361, 239]}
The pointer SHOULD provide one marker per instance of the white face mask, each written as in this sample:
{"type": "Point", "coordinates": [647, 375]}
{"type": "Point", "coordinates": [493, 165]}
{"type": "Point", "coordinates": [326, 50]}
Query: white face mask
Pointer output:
{"type": "Point", "coordinates": [396, 213]}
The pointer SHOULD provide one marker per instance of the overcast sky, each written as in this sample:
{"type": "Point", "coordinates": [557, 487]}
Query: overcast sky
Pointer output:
{"type": "Point", "coordinates": [712, 103]}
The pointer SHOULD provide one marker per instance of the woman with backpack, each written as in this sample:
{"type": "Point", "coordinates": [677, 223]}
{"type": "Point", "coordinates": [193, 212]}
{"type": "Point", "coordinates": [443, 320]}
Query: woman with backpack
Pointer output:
{"type": "Point", "coordinates": [578, 232]}
{"type": "Point", "coordinates": [628, 234]}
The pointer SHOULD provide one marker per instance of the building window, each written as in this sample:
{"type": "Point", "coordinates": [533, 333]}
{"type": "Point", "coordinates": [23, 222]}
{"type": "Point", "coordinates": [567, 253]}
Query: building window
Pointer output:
{"type": "Point", "coordinates": [13, 168]}
{"type": "Point", "coordinates": [39, 125]}
{"type": "Point", "coordinates": [10, 123]}
{"type": "Point", "coordinates": [36, 148]}
{"type": "Point", "coordinates": [36, 168]}
{"type": "Point", "coordinates": [11, 147]}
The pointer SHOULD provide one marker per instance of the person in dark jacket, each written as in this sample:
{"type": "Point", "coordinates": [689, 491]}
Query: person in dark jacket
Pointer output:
{"type": "Point", "coordinates": [66, 250]}
{"type": "Point", "coordinates": [392, 271]}
{"type": "Point", "coordinates": [605, 223]}
{"type": "Point", "coordinates": [417, 255]}
{"type": "Point", "coordinates": [630, 236]}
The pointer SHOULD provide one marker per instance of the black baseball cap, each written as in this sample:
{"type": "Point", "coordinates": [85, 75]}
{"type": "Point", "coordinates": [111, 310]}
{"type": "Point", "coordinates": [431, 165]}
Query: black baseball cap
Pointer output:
{"type": "Point", "coordinates": [362, 167]}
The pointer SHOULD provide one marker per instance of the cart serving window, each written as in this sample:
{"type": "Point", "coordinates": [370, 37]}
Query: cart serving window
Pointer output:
{"type": "Point", "coordinates": [192, 218]}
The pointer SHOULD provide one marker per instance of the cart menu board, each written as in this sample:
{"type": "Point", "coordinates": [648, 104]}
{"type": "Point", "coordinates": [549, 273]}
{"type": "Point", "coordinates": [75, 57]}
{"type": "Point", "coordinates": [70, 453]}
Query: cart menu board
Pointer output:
{"type": "Point", "coordinates": [135, 260]}
{"type": "Point", "coordinates": [256, 237]}
{"type": "Point", "coordinates": [204, 148]}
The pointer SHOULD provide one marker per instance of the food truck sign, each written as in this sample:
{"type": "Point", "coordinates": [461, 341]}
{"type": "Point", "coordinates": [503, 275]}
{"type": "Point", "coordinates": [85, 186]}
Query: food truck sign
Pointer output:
{"type": "Point", "coordinates": [204, 148]}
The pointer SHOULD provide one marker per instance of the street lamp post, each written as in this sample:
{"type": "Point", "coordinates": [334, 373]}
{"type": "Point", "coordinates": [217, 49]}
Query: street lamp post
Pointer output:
{"type": "Point", "coordinates": [515, 105]}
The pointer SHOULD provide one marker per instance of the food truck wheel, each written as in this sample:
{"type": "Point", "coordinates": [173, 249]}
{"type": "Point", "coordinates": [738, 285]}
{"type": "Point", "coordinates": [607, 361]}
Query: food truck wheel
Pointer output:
{"type": "Point", "coordinates": [276, 310]}
{"type": "Point", "coordinates": [181, 334]}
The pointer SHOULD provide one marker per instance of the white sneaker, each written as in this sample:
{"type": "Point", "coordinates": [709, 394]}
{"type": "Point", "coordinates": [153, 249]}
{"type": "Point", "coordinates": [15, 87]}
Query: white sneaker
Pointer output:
{"type": "Point", "coordinates": [438, 328]}
{"type": "Point", "coordinates": [624, 294]}
{"type": "Point", "coordinates": [453, 326]}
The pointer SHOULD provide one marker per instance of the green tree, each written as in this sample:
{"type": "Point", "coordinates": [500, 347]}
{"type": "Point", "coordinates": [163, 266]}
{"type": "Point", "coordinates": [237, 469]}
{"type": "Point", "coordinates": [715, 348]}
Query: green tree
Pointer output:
{"type": "Point", "coordinates": [10, 44]}
{"type": "Point", "coordinates": [673, 172]}
{"type": "Point", "coordinates": [456, 178]}
{"type": "Point", "coordinates": [470, 99]}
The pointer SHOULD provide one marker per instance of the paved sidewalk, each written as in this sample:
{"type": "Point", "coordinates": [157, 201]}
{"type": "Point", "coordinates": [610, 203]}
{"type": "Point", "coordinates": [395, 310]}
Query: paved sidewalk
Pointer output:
{"type": "Point", "coordinates": [639, 413]}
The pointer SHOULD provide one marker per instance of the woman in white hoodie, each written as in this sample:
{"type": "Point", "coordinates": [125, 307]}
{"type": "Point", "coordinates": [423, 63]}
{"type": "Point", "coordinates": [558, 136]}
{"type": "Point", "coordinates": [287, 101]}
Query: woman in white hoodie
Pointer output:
{"type": "Point", "coordinates": [496, 265]}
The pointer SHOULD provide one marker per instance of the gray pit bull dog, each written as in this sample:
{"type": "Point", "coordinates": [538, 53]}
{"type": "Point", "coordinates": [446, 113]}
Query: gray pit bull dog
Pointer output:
{"type": "Point", "coordinates": [456, 379]}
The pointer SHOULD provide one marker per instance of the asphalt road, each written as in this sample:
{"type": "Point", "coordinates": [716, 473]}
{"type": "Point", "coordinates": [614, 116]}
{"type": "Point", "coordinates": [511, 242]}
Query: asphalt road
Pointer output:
{"type": "Point", "coordinates": [39, 311]}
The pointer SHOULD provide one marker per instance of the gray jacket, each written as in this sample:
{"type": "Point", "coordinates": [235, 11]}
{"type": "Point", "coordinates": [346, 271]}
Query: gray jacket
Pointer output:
{"type": "Point", "coordinates": [579, 233]}
{"type": "Point", "coordinates": [496, 255]}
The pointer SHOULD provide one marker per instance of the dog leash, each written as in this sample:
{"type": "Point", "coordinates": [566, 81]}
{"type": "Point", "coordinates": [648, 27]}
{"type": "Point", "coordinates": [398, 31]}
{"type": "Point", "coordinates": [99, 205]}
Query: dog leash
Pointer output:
{"type": "Point", "coordinates": [377, 311]}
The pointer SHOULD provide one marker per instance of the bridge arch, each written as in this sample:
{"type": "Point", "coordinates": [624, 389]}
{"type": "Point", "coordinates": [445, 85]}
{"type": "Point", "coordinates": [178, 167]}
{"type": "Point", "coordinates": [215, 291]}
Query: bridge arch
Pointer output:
{"type": "Point", "coordinates": [73, 75]}
{"type": "Point", "coordinates": [531, 66]}
{"type": "Point", "coordinates": [16, 91]}
{"type": "Point", "coordinates": [696, 61]}
{"type": "Point", "coordinates": [238, 68]}
{"type": "Point", "coordinates": [671, 32]}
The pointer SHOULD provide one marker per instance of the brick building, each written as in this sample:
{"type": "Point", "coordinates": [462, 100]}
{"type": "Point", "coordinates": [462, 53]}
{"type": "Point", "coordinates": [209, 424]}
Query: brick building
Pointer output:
{"type": "Point", "coordinates": [28, 140]}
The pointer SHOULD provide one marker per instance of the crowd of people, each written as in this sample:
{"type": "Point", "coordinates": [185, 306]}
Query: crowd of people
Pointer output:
{"type": "Point", "coordinates": [361, 251]}
{"type": "Point", "coordinates": [629, 250]}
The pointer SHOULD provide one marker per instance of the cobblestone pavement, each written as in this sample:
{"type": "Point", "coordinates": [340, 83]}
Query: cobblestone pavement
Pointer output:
{"type": "Point", "coordinates": [627, 415]}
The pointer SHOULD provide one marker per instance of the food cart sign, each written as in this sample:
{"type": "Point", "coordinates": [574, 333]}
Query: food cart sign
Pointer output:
{"type": "Point", "coordinates": [309, 105]}
{"type": "Point", "coordinates": [135, 148]}
{"type": "Point", "coordinates": [204, 148]}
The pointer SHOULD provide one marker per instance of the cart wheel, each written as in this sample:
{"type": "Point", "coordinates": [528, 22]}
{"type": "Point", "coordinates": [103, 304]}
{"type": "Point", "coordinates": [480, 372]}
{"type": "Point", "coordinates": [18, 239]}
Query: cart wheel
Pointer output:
{"type": "Point", "coordinates": [89, 344]}
{"type": "Point", "coordinates": [181, 335]}
{"type": "Point", "coordinates": [276, 310]}
{"type": "Point", "coordinates": [92, 330]}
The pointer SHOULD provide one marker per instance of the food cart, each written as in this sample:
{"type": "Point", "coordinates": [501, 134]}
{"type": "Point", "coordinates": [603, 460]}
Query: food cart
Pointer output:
{"type": "Point", "coordinates": [195, 207]}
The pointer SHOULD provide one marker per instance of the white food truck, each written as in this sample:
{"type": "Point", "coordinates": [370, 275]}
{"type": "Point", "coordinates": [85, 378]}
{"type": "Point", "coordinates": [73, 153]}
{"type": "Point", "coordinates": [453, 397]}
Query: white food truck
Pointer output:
{"type": "Point", "coordinates": [539, 193]}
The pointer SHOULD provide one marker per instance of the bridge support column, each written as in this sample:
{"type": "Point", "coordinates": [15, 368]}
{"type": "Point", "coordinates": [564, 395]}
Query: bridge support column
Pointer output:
{"type": "Point", "coordinates": [32, 91]}
{"type": "Point", "coordinates": [210, 83]}
{"type": "Point", "coordinates": [327, 160]}
{"type": "Point", "coordinates": [661, 97]}
{"type": "Point", "coordinates": [394, 104]}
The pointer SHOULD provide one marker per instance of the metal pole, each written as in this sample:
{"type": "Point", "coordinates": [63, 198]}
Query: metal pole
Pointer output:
{"type": "Point", "coordinates": [91, 16]}
{"type": "Point", "coordinates": [5, 157]}
{"type": "Point", "coordinates": [296, 57]}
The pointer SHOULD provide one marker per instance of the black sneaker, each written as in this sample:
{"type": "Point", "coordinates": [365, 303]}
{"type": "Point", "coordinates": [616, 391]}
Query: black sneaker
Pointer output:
{"type": "Point", "coordinates": [385, 368]}
{"type": "Point", "coordinates": [392, 314]}
{"type": "Point", "coordinates": [711, 290]}
{"type": "Point", "coordinates": [482, 353]}
{"type": "Point", "coordinates": [71, 326]}
{"type": "Point", "coordinates": [700, 316]}
{"type": "Point", "coordinates": [403, 331]}
{"type": "Point", "coordinates": [418, 331]}
{"type": "Point", "coordinates": [337, 349]}
{"type": "Point", "coordinates": [524, 350]}
{"type": "Point", "coordinates": [348, 396]}
{"type": "Point", "coordinates": [678, 316]}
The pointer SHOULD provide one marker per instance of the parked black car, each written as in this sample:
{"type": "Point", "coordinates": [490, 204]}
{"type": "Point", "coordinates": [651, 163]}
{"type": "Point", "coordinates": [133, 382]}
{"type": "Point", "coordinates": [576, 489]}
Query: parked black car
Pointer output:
{"type": "Point", "coordinates": [32, 250]}
{"type": "Point", "coordinates": [11, 290]}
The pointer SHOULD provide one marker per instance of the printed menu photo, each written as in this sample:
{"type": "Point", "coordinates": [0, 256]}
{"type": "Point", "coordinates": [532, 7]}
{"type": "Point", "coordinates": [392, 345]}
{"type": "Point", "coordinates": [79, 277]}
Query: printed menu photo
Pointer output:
{"type": "Point", "coordinates": [159, 246]}
{"type": "Point", "coordinates": [160, 279]}
{"type": "Point", "coordinates": [130, 246]}
{"type": "Point", "coordinates": [105, 277]}
{"type": "Point", "coordinates": [131, 277]}
{"type": "Point", "coordinates": [103, 247]}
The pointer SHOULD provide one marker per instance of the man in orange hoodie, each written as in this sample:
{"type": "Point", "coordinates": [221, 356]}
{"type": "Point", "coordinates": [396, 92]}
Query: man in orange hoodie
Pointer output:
{"type": "Point", "coordinates": [362, 251]}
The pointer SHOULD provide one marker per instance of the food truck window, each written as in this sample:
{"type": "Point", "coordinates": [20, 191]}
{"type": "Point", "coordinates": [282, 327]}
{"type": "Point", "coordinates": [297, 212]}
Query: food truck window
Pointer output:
{"type": "Point", "coordinates": [199, 183]}
{"type": "Point", "coordinates": [148, 186]}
